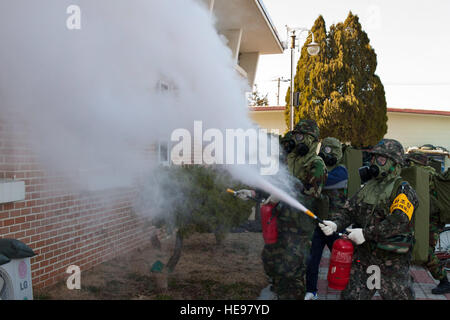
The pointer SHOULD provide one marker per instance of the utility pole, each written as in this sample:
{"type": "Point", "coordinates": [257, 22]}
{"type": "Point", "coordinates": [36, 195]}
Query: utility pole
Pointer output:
{"type": "Point", "coordinates": [279, 80]}
{"type": "Point", "coordinates": [292, 80]}
{"type": "Point", "coordinates": [278, 94]}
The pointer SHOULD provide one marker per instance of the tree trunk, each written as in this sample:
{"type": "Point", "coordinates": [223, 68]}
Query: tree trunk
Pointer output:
{"type": "Point", "coordinates": [176, 254]}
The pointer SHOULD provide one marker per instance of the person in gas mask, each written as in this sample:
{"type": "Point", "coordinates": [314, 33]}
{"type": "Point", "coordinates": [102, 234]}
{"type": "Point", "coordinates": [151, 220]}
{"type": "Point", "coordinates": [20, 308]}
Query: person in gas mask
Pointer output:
{"type": "Point", "coordinates": [335, 195]}
{"type": "Point", "coordinates": [271, 252]}
{"type": "Point", "coordinates": [382, 216]}
{"type": "Point", "coordinates": [287, 258]}
{"type": "Point", "coordinates": [285, 261]}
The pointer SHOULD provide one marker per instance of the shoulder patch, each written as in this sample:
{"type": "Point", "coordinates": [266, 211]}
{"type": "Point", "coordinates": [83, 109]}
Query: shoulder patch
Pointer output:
{"type": "Point", "coordinates": [401, 202]}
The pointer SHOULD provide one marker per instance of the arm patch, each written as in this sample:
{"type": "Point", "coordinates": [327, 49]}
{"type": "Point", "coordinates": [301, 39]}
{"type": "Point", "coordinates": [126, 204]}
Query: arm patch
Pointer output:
{"type": "Point", "coordinates": [401, 202]}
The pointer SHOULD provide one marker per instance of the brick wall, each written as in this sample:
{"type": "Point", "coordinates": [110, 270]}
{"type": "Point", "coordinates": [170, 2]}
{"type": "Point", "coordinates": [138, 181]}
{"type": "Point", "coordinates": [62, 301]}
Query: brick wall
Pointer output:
{"type": "Point", "coordinates": [62, 226]}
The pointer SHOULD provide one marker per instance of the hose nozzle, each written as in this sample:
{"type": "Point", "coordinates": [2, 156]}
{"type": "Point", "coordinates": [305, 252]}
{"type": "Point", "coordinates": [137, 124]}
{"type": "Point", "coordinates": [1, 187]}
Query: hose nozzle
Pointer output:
{"type": "Point", "coordinates": [231, 191]}
{"type": "Point", "coordinates": [312, 215]}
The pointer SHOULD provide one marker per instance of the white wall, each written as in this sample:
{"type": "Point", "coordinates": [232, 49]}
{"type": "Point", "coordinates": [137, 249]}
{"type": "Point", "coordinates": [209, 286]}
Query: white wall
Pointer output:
{"type": "Point", "coordinates": [270, 120]}
{"type": "Point", "coordinates": [419, 129]}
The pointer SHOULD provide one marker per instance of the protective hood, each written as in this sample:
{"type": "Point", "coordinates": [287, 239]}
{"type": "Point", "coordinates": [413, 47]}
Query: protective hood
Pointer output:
{"type": "Point", "coordinates": [331, 152]}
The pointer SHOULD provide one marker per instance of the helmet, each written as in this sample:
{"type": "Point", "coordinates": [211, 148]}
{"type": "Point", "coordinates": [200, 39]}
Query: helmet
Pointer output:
{"type": "Point", "coordinates": [389, 148]}
{"type": "Point", "coordinates": [287, 136]}
{"type": "Point", "coordinates": [309, 127]}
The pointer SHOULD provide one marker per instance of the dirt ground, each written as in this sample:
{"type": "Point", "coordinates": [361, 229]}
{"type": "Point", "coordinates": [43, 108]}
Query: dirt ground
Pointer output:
{"type": "Point", "coordinates": [205, 271]}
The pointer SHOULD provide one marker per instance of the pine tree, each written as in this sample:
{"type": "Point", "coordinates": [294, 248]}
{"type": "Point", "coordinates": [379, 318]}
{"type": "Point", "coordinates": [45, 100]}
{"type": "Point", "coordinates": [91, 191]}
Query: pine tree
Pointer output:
{"type": "Point", "coordinates": [339, 88]}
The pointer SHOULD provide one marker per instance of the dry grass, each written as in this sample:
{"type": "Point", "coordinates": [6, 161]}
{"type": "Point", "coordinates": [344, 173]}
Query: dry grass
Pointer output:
{"type": "Point", "coordinates": [205, 270]}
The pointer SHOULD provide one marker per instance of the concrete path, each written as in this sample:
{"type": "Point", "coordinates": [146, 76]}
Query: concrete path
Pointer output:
{"type": "Point", "coordinates": [423, 283]}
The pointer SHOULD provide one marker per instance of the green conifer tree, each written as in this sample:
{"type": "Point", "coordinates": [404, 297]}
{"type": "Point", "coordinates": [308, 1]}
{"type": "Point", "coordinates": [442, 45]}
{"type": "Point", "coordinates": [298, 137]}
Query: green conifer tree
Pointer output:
{"type": "Point", "coordinates": [339, 88]}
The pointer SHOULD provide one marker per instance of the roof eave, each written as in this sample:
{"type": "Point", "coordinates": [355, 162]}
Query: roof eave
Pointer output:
{"type": "Point", "coordinates": [269, 22]}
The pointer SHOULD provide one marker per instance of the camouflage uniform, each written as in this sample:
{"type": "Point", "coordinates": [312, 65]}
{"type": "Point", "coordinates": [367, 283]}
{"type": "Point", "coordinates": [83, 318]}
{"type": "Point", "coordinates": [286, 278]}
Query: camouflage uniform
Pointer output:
{"type": "Point", "coordinates": [270, 251]}
{"type": "Point", "coordinates": [285, 261]}
{"type": "Point", "coordinates": [436, 226]}
{"type": "Point", "coordinates": [387, 230]}
{"type": "Point", "coordinates": [335, 195]}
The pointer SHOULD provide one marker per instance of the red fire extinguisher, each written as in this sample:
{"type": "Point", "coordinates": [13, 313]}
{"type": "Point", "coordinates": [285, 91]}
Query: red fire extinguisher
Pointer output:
{"type": "Point", "coordinates": [269, 223]}
{"type": "Point", "coordinates": [340, 264]}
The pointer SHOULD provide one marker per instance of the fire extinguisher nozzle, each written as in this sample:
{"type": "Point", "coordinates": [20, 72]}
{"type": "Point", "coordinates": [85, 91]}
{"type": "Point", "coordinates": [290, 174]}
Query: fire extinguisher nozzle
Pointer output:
{"type": "Point", "coordinates": [309, 213]}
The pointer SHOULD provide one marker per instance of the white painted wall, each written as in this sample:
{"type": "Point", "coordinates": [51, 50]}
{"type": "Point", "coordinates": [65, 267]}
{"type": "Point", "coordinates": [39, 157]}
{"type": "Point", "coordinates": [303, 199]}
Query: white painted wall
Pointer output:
{"type": "Point", "coordinates": [270, 120]}
{"type": "Point", "coordinates": [419, 129]}
{"type": "Point", "coordinates": [249, 62]}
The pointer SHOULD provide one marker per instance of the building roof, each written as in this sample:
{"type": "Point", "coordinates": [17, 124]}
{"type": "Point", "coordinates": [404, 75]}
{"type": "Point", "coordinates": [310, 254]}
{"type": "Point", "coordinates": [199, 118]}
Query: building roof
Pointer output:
{"type": "Point", "coordinates": [266, 108]}
{"type": "Point", "coordinates": [420, 111]}
{"type": "Point", "coordinates": [270, 22]}
{"type": "Point", "coordinates": [397, 110]}
{"type": "Point", "coordinates": [259, 33]}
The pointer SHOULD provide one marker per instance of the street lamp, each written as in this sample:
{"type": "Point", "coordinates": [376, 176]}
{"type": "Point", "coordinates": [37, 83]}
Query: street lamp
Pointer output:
{"type": "Point", "coordinates": [313, 49]}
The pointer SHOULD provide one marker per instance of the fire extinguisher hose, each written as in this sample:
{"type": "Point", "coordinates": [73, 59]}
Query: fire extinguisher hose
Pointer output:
{"type": "Point", "coordinates": [308, 212]}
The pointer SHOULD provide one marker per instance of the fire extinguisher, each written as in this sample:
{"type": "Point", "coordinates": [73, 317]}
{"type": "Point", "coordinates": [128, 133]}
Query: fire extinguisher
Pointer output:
{"type": "Point", "coordinates": [269, 223]}
{"type": "Point", "coordinates": [340, 264]}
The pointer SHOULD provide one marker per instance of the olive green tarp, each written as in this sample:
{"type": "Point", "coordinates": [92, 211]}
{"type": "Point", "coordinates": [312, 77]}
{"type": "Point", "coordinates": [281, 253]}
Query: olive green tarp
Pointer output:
{"type": "Point", "coordinates": [442, 184]}
{"type": "Point", "coordinates": [418, 178]}
{"type": "Point", "coordinates": [352, 160]}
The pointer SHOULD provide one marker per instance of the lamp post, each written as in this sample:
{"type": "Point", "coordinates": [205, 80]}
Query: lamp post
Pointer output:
{"type": "Point", "coordinates": [313, 49]}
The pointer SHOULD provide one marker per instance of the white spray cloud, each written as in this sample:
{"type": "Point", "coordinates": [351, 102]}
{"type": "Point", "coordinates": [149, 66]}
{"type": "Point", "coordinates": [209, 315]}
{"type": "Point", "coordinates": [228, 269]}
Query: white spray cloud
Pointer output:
{"type": "Point", "coordinates": [89, 95]}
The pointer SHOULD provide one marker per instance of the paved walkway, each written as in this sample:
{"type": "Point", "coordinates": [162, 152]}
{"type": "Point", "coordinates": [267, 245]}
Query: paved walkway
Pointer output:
{"type": "Point", "coordinates": [423, 283]}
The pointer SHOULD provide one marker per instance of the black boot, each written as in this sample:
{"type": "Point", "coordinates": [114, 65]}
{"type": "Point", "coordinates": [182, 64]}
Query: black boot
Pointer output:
{"type": "Point", "coordinates": [442, 288]}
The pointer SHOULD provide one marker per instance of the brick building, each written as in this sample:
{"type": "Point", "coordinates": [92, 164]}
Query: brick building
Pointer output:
{"type": "Point", "coordinates": [62, 226]}
{"type": "Point", "coordinates": [65, 226]}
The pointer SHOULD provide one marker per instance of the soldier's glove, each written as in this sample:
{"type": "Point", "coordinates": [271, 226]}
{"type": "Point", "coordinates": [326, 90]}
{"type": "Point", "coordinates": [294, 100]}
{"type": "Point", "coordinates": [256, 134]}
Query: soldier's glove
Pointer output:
{"type": "Point", "coordinates": [328, 228]}
{"type": "Point", "coordinates": [271, 199]}
{"type": "Point", "coordinates": [356, 235]}
{"type": "Point", "coordinates": [245, 194]}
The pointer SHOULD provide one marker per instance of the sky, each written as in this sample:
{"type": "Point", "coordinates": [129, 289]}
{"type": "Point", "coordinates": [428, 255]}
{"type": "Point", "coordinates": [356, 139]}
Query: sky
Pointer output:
{"type": "Point", "coordinates": [411, 40]}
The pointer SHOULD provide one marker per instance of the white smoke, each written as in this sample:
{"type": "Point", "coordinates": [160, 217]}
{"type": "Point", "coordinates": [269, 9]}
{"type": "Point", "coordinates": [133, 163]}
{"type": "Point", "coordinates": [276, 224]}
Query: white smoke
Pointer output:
{"type": "Point", "coordinates": [90, 96]}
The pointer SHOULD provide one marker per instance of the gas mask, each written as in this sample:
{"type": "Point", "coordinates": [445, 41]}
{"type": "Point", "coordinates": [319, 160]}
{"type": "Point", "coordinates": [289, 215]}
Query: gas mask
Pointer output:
{"type": "Point", "coordinates": [303, 143]}
{"type": "Point", "coordinates": [288, 146]}
{"type": "Point", "coordinates": [379, 168]}
{"type": "Point", "coordinates": [328, 157]}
